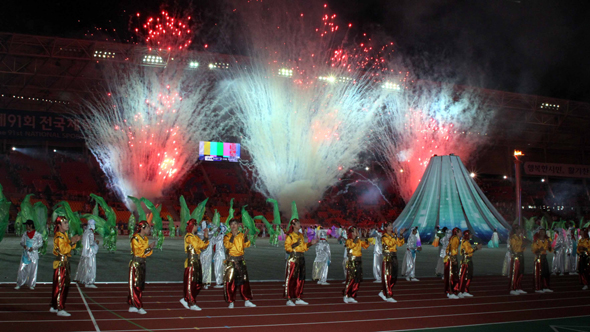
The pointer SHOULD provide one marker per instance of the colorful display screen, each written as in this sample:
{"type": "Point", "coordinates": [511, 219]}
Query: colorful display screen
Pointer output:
{"type": "Point", "coordinates": [219, 151]}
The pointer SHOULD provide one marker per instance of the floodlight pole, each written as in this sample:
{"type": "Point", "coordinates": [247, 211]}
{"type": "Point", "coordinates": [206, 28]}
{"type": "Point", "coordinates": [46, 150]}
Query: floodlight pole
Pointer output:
{"type": "Point", "coordinates": [517, 164]}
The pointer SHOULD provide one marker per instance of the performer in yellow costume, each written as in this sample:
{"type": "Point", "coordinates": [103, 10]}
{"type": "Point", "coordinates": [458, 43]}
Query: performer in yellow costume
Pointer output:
{"type": "Point", "coordinates": [193, 275]}
{"type": "Point", "coordinates": [140, 249]}
{"type": "Point", "coordinates": [354, 265]}
{"type": "Point", "coordinates": [517, 262]}
{"type": "Point", "coordinates": [295, 246]}
{"type": "Point", "coordinates": [62, 248]}
{"type": "Point", "coordinates": [390, 242]}
{"type": "Point", "coordinates": [452, 265]}
{"type": "Point", "coordinates": [584, 261]}
{"type": "Point", "coordinates": [466, 273]}
{"type": "Point", "coordinates": [235, 273]}
{"type": "Point", "coordinates": [541, 245]}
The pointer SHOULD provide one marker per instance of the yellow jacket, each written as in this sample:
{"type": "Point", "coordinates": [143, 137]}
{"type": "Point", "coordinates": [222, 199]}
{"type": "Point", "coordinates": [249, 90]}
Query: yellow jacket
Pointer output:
{"type": "Point", "coordinates": [195, 243]}
{"type": "Point", "coordinates": [292, 238]}
{"type": "Point", "coordinates": [390, 242]}
{"type": "Point", "coordinates": [583, 246]}
{"type": "Point", "coordinates": [236, 248]}
{"type": "Point", "coordinates": [140, 246]}
{"type": "Point", "coordinates": [354, 247]}
{"type": "Point", "coordinates": [540, 247]}
{"type": "Point", "coordinates": [453, 247]}
{"type": "Point", "coordinates": [466, 249]}
{"type": "Point", "coordinates": [516, 244]}
{"type": "Point", "coordinates": [61, 247]}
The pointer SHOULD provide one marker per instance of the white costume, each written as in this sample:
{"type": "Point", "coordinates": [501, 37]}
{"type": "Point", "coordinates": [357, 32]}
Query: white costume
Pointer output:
{"type": "Point", "coordinates": [87, 267]}
{"type": "Point", "coordinates": [409, 265]}
{"type": "Point", "coordinates": [507, 260]}
{"type": "Point", "coordinates": [27, 271]}
{"type": "Point", "coordinates": [377, 256]}
{"type": "Point", "coordinates": [322, 259]}
{"type": "Point", "coordinates": [206, 258]}
{"type": "Point", "coordinates": [558, 265]}
{"type": "Point", "coordinates": [494, 241]}
{"type": "Point", "coordinates": [219, 255]}
{"type": "Point", "coordinates": [345, 237]}
{"type": "Point", "coordinates": [442, 252]}
{"type": "Point", "coordinates": [571, 258]}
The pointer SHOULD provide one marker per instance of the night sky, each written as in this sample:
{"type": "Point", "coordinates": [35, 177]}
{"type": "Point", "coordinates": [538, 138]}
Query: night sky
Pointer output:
{"type": "Point", "coordinates": [528, 46]}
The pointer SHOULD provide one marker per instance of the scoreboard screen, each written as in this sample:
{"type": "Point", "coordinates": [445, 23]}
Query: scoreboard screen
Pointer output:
{"type": "Point", "coordinates": [219, 151]}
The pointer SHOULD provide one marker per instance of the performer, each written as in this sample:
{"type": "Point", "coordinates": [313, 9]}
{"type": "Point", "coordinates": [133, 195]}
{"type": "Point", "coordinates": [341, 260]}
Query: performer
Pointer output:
{"type": "Point", "coordinates": [342, 239]}
{"type": "Point", "coordinates": [295, 246]}
{"type": "Point", "coordinates": [235, 273]}
{"type": "Point", "coordinates": [31, 241]}
{"type": "Point", "coordinates": [506, 266]}
{"type": "Point", "coordinates": [583, 251]}
{"type": "Point", "coordinates": [62, 247]}
{"type": "Point", "coordinates": [541, 245]}
{"type": "Point", "coordinates": [322, 259]}
{"type": "Point", "coordinates": [86, 274]}
{"type": "Point", "coordinates": [354, 266]}
{"type": "Point", "coordinates": [466, 273]}
{"type": "Point", "coordinates": [558, 264]}
{"type": "Point", "coordinates": [452, 266]}
{"type": "Point", "coordinates": [571, 258]}
{"type": "Point", "coordinates": [140, 249]}
{"type": "Point", "coordinates": [517, 260]}
{"type": "Point", "coordinates": [377, 256]}
{"type": "Point", "coordinates": [409, 266]}
{"type": "Point", "coordinates": [206, 257]}
{"type": "Point", "coordinates": [442, 252]}
{"type": "Point", "coordinates": [390, 242]}
{"type": "Point", "coordinates": [438, 235]}
{"type": "Point", "coordinates": [494, 241]}
{"type": "Point", "coordinates": [193, 246]}
{"type": "Point", "coordinates": [219, 256]}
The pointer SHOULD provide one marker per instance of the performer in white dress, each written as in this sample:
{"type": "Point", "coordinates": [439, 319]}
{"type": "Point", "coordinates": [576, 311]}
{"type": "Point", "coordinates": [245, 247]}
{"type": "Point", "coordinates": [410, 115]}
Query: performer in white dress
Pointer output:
{"type": "Point", "coordinates": [571, 258]}
{"type": "Point", "coordinates": [31, 241]}
{"type": "Point", "coordinates": [442, 252]}
{"type": "Point", "coordinates": [206, 259]}
{"type": "Point", "coordinates": [322, 259]}
{"type": "Point", "coordinates": [409, 265]}
{"type": "Point", "coordinates": [219, 255]}
{"type": "Point", "coordinates": [86, 274]}
{"type": "Point", "coordinates": [377, 256]}
{"type": "Point", "coordinates": [558, 264]}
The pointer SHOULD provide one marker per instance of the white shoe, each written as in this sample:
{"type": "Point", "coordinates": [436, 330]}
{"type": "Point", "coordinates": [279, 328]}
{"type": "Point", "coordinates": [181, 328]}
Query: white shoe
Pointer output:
{"type": "Point", "coordinates": [467, 295]}
{"type": "Point", "coordinates": [452, 296]}
{"type": "Point", "coordinates": [414, 279]}
{"type": "Point", "coordinates": [17, 287]}
{"type": "Point", "coordinates": [574, 273]}
{"type": "Point", "coordinates": [231, 305]}
{"type": "Point", "coordinates": [391, 300]}
{"type": "Point", "coordinates": [195, 307]}
{"type": "Point", "coordinates": [585, 287]}
{"type": "Point", "coordinates": [290, 303]}
{"type": "Point", "coordinates": [91, 286]}
{"type": "Point", "coordinates": [218, 286]}
{"type": "Point", "coordinates": [547, 290]}
{"type": "Point", "coordinates": [63, 313]}
{"type": "Point", "coordinates": [352, 300]}
{"type": "Point", "coordinates": [342, 282]}
{"type": "Point", "coordinates": [323, 283]}
{"type": "Point", "coordinates": [249, 304]}
{"type": "Point", "coordinates": [133, 309]}
{"type": "Point", "coordinates": [206, 287]}
{"type": "Point", "coordinates": [513, 292]}
{"type": "Point", "coordinates": [300, 302]}
{"type": "Point", "coordinates": [32, 288]}
{"type": "Point", "coordinates": [346, 299]}
{"type": "Point", "coordinates": [539, 291]}
{"type": "Point", "coordinates": [184, 303]}
{"type": "Point", "coordinates": [460, 295]}
{"type": "Point", "coordinates": [141, 311]}
{"type": "Point", "coordinates": [381, 295]}
{"type": "Point", "coordinates": [408, 279]}
{"type": "Point", "coordinates": [376, 281]}
{"type": "Point", "coordinates": [521, 291]}
{"type": "Point", "coordinates": [53, 311]}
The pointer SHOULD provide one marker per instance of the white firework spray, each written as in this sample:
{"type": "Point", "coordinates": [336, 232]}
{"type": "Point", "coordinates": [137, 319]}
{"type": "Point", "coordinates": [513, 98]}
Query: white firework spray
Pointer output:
{"type": "Point", "coordinates": [305, 105]}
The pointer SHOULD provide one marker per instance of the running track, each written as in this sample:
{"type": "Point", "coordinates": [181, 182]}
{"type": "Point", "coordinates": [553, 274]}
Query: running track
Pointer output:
{"type": "Point", "coordinates": [420, 305]}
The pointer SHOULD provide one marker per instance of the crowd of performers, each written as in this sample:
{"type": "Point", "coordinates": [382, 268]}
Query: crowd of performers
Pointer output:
{"type": "Point", "coordinates": [230, 271]}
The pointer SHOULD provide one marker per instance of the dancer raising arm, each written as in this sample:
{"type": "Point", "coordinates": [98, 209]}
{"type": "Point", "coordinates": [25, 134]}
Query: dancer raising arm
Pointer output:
{"type": "Point", "coordinates": [354, 264]}
{"type": "Point", "coordinates": [296, 247]}
{"type": "Point", "coordinates": [466, 273]}
{"type": "Point", "coordinates": [236, 274]}
{"type": "Point", "coordinates": [140, 249]}
{"type": "Point", "coordinates": [193, 275]}
{"type": "Point", "coordinates": [62, 248]}
{"type": "Point", "coordinates": [390, 242]}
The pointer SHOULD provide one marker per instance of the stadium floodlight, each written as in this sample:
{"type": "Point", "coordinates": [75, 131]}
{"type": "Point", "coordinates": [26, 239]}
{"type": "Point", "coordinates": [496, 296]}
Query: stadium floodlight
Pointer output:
{"type": "Point", "coordinates": [153, 59]}
{"type": "Point", "coordinates": [219, 65]}
{"type": "Point", "coordinates": [54, 150]}
{"type": "Point", "coordinates": [391, 86]}
{"type": "Point", "coordinates": [329, 79]}
{"type": "Point", "coordinates": [472, 174]}
{"type": "Point", "coordinates": [193, 64]}
{"type": "Point", "coordinates": [13, 148]}
{"type": "Point", "coordinates": [285, 72]}
{"type": "Point", "coordinates": [104, 54]}
{"type": "Point", "coordinates": [366, 168]}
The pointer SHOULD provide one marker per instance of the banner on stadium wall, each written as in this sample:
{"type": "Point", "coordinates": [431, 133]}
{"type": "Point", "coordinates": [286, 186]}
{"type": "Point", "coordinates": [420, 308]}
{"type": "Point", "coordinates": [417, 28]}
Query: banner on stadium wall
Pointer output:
{"type": "Point", "coordinates": [17, 124]}
{"type": "Point", "coordinates": [565, 170]}
{"type": "Point", "coordinates": [219, 151]}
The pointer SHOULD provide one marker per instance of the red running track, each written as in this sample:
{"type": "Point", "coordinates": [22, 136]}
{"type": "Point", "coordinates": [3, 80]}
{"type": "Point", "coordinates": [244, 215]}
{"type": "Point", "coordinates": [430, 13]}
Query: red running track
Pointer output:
{"type": "Point", "coordinates": [420, 305]}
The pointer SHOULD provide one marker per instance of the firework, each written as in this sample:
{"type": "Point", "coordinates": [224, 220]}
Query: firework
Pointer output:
{"type": "Point", "coordinates": [145, 127]}
{"type": "Point", "coordinates": [305, 104]}
{"type": "Point", "coordinates": [428, 119]}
